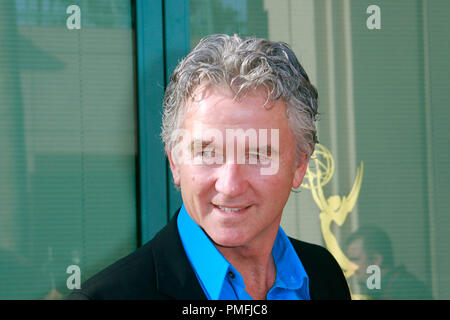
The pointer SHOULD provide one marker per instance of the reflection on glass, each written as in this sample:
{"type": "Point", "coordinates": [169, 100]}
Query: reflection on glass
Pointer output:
{"type": "Point", "coordinates": [382, 103]}
{"type": "Point", "coordinates": [246, 18]}
{"type": "Point", "coordinates": [67, 143]}
{"type": "Point", "coordinates": [371, 246]}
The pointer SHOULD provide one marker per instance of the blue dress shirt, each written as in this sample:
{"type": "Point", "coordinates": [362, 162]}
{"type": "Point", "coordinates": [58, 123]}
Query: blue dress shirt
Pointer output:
{"type": "Point", "coordinates": [221, 281]}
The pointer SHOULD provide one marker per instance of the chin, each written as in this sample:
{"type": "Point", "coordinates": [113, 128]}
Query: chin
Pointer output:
{"type": "Point", "coordinates": [228, 239]}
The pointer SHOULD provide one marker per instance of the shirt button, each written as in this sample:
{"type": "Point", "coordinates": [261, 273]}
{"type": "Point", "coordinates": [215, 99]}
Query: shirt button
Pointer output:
{"type": "Point", "coordinates": [231, 275]}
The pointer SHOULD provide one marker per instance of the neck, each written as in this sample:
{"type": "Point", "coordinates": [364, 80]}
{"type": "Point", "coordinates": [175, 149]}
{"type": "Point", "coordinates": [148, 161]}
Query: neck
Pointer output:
{"type": "Point", "coordinates": [255, 263]}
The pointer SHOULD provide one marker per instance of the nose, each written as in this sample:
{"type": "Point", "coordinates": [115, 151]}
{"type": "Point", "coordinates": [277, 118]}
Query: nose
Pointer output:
{"type": "Point", "coordinates": [231, 180]}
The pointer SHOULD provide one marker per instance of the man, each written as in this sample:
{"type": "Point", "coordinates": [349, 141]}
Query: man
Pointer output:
{"type": "Point", "coordinates": [371, 246]}
{"type": "Point", "coordinates": [238, 129]}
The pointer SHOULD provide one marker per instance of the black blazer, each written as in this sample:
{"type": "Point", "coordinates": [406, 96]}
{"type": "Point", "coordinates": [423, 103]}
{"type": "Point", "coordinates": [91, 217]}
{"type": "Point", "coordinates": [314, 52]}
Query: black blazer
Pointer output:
{"type": "Point", "coordinates": [160, 270]}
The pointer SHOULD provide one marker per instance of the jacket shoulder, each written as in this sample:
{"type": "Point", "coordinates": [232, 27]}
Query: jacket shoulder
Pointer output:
{"type": "Point", "coordinates": [326, 279]}
{"type": "Point", "coordinates": [132, 277]}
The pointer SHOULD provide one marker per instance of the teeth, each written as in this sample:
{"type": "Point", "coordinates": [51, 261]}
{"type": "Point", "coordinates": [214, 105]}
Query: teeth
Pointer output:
{"type": "Point", "coordinates": [229, 209]}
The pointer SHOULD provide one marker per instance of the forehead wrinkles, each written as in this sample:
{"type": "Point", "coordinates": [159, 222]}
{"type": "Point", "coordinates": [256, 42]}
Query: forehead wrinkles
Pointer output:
{"type": "Point", "coordinates": [197, 110]}
{"type": "Point", "coordinates": [207, 97]}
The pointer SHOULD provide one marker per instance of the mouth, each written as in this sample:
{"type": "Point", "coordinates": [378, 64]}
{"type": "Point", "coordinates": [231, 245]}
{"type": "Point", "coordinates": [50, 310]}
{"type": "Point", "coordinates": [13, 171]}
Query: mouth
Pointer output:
{"type": "Point", "coordinates": [231, 209]}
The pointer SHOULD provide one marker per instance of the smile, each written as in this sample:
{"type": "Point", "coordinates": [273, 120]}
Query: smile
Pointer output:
{"type": "Point", "coordinates": [228, 209]}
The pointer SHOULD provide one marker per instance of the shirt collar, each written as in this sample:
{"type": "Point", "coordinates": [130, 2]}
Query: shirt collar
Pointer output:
{"type": "Point", "coordinates": [291, 274]}
{"type": "Point", "coordinates": [209, 264]}
{"type": "Point", "coordinates": [211, 267]}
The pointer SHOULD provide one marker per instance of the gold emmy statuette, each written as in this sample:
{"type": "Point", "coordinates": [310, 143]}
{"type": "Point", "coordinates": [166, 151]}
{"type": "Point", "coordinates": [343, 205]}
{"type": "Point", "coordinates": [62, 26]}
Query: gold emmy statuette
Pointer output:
{"type": "Point", "coordinates": [334, 208]}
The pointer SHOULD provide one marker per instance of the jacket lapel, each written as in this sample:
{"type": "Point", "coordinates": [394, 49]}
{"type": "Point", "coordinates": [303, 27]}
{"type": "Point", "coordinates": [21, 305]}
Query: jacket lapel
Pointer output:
{"type": "Point", "coordinates": [174, 274]}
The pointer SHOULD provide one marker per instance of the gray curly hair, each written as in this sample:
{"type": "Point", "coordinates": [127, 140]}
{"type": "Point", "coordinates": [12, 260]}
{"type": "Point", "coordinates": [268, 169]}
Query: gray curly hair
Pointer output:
{"type": "Point", "coordinates": [244, 65]}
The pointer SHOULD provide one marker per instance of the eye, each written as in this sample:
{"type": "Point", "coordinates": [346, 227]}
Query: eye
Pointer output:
{"type": "Point", "coordinates": [204, 153]}
{"type": "Point", "coordinates": [208, 157]}
{"type": "Point", "coordinates": [253, 155]}
{"type": "Point", "coordinates": [264, 159]}
{"type": "Point", "coordinates": [208, 153]}
{"type": "Point", "coordinates": [258, 158]}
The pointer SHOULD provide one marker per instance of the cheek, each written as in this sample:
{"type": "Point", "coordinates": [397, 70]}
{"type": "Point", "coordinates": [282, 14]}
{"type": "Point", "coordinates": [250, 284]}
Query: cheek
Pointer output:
{"type": "Point", "coordinates": [196, 179]}
{"type": "Point", "coordinates": [276, 187]}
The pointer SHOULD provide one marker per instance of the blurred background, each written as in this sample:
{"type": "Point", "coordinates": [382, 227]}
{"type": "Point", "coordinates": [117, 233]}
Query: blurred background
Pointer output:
{"type": "Point", "coordinates": [83, 176]}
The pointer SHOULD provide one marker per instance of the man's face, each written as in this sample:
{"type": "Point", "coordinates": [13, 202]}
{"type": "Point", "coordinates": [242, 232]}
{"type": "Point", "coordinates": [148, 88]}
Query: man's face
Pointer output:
{"type": "Point", "coordinates": [230, 200]}
{"type": "Point", "coordinates": [357, 254]}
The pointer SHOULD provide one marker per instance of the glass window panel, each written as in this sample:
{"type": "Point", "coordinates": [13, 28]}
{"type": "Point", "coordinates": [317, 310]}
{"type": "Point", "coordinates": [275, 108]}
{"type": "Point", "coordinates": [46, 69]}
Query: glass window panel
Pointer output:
{"type": "Point", "coordinates": [384, 116]}
{"type": "Point", "coordinates": [67, 143]}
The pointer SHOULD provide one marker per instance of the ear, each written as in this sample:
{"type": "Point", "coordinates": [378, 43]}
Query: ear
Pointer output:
{"type": "Point", "coordinates": [175, 168]}
{"type": "Point", "coordinates": [300, 171]}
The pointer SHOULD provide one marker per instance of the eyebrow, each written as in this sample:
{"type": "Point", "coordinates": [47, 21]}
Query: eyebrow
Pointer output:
{"type": "Point", "coordinates": [267, 149]}
{"type": "Point", "coordinates": [203, 143]}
